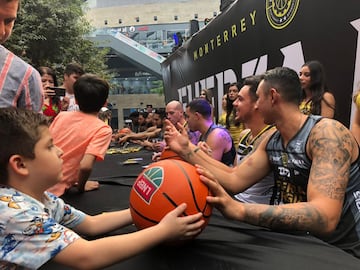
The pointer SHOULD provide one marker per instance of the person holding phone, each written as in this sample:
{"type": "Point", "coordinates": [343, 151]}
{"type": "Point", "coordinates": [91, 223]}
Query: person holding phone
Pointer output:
{"type": "Point", "coordinates": [52, 100]}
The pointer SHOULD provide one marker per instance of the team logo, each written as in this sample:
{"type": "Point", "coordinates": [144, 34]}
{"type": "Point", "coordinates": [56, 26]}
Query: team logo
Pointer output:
{"type": "Point", "coordinates": [148, 183]}
{"type": "Point", "coordinates": [280, 13]}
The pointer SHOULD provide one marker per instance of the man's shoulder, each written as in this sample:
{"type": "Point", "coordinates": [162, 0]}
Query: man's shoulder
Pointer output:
{"type": "Point", "coordinates": [220, 133]}
{"type": "Point", "coordinates": [328, 124]}
{"type": "Point", "coordinates": [16, 60]}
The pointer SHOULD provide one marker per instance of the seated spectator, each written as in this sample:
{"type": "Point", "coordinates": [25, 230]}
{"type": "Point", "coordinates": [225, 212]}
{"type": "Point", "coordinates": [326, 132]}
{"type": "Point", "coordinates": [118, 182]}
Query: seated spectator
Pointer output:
{"type": "Point", "coordinates": [142, 121]}
{"type": "Point", "coordinates": [175, 113]}
{"type": "Point", "coordinates": [155, 133]}
{"type": "Point", "coordinates": [82, 135]}
{"type": "Point", "coordinates": [148, 120]}
{"type": "Point", "coordinates": [247, 112]}
{"type": "Point", "coordinates": [218, 139]}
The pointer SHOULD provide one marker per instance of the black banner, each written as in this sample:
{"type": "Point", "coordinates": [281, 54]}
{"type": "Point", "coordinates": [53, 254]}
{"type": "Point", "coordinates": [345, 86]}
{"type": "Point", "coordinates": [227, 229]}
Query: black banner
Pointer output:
{"type": "Point", "coordinates": [251, 37]}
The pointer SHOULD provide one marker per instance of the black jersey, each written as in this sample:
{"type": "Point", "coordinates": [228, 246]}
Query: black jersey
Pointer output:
{"type": "Point", "coordinates": [228, 157]}
{"type": "Point", "coordinates": [291, 167]}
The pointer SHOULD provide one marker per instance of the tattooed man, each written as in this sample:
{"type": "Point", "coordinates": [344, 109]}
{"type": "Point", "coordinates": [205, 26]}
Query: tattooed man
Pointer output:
{"type": "Point", "coordinates": [315, 162]}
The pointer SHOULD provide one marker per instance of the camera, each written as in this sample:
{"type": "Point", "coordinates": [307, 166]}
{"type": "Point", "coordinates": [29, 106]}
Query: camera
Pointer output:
{"type": "Point", "coordinates": [59, 92]}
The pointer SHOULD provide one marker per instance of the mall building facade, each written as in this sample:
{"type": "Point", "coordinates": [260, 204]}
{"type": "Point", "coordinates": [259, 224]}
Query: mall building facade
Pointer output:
{"type": "Point", "coordinates": [140, 35]}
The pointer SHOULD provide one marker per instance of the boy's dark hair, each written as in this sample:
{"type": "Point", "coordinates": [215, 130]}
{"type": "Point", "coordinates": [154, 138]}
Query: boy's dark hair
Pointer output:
{"type": "Point", "coordinates": [19, 133]}
{"type": "Point", "coordinates": [91, 93]}
{"type": "Point", "coordinates": [201, 106]}
{"type": "Point", "coordinates": [74, 68]}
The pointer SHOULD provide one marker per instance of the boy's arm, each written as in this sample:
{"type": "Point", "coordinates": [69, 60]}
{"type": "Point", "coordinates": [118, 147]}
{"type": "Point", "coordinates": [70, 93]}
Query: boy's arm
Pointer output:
{"type": "Point", "coordinates": [105, 222]}
{"type": "Point", "coordinates": [98, 254]}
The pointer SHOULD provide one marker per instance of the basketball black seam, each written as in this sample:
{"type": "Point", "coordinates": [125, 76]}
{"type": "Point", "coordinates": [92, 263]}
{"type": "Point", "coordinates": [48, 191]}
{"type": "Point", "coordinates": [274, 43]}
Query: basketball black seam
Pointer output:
{"type": "Point", "coordinates": [191, 187]}
{"type": "Point", "coordinates": [144, 217]}
{"type": "Point", "coordinates": [171, 201]}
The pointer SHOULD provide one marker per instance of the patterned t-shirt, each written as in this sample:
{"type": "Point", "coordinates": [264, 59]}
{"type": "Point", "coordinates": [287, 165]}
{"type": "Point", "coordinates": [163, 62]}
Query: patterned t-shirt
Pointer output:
{"type": "Point", "coordinates": [33, 232]}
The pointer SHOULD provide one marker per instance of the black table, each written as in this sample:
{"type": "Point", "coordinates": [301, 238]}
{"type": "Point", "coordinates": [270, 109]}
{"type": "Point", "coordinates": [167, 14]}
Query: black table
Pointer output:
{"type": "Point", "coordinates": [224, 244]}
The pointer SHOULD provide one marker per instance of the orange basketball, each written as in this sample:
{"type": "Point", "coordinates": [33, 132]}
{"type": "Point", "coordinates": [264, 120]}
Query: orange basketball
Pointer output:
{"type": "Point", "coordinates": [125, 131]}
{"type": "Point", "coordinates": [163, 186]}
{"type": "Point", "coordinates": [167, 153]}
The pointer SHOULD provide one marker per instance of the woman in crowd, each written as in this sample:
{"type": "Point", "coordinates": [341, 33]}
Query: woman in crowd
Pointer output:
{"type": "Point", "coordinates": [316, 97]}
{"type": "Point", "coordinates": [222, 118]}
{"type": "Point", "coordinates": [52, 104]}
{"type": "Point", "coordinates": [206, 94]}
{"type": "Point", "coordinates": [231, 124]}
{"type": "Point", "coordinates": [355, 125]}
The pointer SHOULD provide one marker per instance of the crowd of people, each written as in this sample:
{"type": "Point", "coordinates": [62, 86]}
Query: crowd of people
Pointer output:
{"type": "Point", "coordinates": [274, 158]}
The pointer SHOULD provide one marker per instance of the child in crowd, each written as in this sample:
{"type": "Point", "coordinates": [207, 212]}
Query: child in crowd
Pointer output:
{"type": "Point", "coordinates": [37, 226]}
{"type": "Point", "coordinates": [82, 136]}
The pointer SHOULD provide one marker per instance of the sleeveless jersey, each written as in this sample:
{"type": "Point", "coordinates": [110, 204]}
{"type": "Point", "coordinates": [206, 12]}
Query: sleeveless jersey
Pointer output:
{"type": "Point", "coordinates": [228, 157]}
{"type": "Point", "coordinates": [291, 167]}
{"type": "Point", "coordinates": [262, 191]}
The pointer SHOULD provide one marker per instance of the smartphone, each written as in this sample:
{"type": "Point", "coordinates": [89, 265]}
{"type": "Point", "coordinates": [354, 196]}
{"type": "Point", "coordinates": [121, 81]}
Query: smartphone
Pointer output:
{"type": "Point", "coordinates": [59, 92]}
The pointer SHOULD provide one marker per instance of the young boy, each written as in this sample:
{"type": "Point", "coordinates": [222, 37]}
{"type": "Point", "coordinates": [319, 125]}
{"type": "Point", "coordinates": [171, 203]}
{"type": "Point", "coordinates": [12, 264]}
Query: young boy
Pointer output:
{"type": "Point", "coordinates": [72, 72]}
{"type": "Point", "coordinates": [36, 226]}
{"type": "Point", "coordinates": [82, 136]}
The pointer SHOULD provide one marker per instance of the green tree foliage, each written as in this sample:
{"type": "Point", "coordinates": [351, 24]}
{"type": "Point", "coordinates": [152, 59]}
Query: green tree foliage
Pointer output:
{"type": "Point", "coordinates": [157, 87]}
{"type": "Point", "coordinates": [53, 33]}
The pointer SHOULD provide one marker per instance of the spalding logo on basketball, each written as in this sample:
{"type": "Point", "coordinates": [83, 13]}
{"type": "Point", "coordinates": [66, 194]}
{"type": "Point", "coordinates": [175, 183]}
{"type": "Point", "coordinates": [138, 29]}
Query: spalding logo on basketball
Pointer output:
{"type": "Point", "coordinates": [162, 187]}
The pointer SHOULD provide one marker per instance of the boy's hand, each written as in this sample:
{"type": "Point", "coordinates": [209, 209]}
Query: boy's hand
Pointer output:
{"type": "Point", "coordinates": [65, 102]}
{"type": "Point", "coordinates": [89, 186]}
{"type": "Point", "coordinates": [182, 227]}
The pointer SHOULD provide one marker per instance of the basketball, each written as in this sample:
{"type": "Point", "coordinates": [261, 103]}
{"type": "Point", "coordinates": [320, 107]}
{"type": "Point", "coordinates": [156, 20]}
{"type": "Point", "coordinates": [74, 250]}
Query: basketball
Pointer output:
{"type": "Point", "coordinates": [125, 130]}
{"type": "Point", "coordinates": [163, 186]}
{"type": "Point", "coordinates": [169, 154]}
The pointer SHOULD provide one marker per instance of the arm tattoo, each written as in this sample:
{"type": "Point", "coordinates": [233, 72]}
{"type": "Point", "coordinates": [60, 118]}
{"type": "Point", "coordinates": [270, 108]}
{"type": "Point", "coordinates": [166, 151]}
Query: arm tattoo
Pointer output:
{"type": "Point", "coordinates": [330, 147]}
{"type": "Point", "coordinates": [303, 218]}
{"type": "Point", "coordinates": [331, 150]}
{"type": "Point", "coordinates": [188, 155]}
{"type": "Point", "coordinates": [225, 136]}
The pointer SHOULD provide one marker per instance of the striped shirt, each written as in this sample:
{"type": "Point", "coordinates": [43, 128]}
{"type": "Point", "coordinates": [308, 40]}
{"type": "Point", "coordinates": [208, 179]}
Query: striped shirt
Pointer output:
{"type": "Point", "coordinates": [20, 83]}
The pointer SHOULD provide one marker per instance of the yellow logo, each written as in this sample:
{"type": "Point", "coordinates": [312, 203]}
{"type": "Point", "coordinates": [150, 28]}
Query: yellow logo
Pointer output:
{"type": "Point", "coordinates": [280, 13]}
